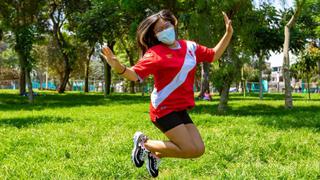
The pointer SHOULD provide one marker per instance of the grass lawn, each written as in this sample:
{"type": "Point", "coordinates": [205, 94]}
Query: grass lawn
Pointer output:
{"type": "Point", "coordinates": [78, 136]}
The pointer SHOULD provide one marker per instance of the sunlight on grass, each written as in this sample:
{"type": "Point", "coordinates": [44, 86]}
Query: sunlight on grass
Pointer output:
{"type": "Point", "coordinates": [76, 135]}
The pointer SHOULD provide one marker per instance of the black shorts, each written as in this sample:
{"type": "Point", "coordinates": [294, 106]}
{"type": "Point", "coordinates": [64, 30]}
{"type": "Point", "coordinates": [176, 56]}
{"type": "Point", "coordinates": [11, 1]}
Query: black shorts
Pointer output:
{"type": "Point", "coordinates": [172, 120]}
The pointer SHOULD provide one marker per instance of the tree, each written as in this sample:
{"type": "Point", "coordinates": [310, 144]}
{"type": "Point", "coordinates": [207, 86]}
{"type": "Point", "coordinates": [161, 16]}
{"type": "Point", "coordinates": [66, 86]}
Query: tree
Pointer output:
{"type": "Point", "coordinates": [265, 36]}
{"type": "Point", "coordinates": [306, 67]}
{"type": "Point", "coordinates": [309, 22]}
{"type": "Point", "coordinates": [286, 60]}
{"type": "Point", "coordinates": [98, 24]}
{"type": "Point", "coordinates": [196, 19]}
{"type": "Point", "coordinates": [58, 14]}
{"type": "Point", "coordinates": [314, 52]}
{"type": "Point", "coordinates": [231, 63]}
{"type": "Point", "coordinates": [22, 18]}
{"type": "Point", "coordinates": [40, 53]}
{"type": "Point", "coordinates": [8, 63]}
{"type": "Point", "coordinates": [89, 29]}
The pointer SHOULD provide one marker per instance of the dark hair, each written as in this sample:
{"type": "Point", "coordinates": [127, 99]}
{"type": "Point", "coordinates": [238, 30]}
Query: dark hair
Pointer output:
{"type": "Point", "coordinates": [145, 35]}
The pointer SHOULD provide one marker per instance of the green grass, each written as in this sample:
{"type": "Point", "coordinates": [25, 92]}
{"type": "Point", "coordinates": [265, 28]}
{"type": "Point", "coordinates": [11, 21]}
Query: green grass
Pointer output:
{"type": "Point", "coordinates": [78, 136]}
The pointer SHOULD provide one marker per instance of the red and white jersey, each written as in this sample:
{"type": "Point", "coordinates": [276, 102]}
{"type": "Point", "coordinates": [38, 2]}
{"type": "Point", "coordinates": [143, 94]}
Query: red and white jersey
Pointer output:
{"type": "Point", "coordinates": [173, 71]}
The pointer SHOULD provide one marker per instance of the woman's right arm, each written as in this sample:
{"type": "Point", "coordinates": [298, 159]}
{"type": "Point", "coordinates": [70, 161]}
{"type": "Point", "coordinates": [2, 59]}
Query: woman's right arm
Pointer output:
{"type": "Point", "coordinates": [112, 60]}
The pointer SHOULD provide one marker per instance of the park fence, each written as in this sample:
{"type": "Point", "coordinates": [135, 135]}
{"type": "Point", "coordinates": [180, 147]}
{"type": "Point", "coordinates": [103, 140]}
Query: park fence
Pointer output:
{"type": "Point", "coordinates": [77, 85]}
{"type": "Point", "coordinates": [123, 86]}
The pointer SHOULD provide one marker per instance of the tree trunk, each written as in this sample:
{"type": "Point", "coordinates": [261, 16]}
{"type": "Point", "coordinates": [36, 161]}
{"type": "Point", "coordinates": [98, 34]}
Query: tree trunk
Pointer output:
{"type": "Point", "coordinates": [222, 108]}
{"type": "Point", "coordinates": [131, 61]}
{"type": "Point", "coordinates": [204, 79]}
{"type": "Point", "coordinates": [286, 67]}
{"type": "Point", "coordinates": [244, 87]}
{"type": "Point", "coordinates": [107, 73]}
{"type": "Point", "coordinates": [318, 69]}
{"type": "Point", "coordinates": [86, 79]}
{"type": "Point", "coordinates": [308, 86]}
{"type": "Point", "coordinates": [22, 75]}
{"type": "Point", "coordinates": [25, 76]}
{"type": "Point", "coordinates": [41, 80]}
{"type": "Point", "coordinates": [22, 79]}
{"type": "Point", "coordinates": [286, 60]}
{"type": "Point", "coordinates": [132, 84]}
{"type": "Point", "coordinates": [62, 44]}
{"type": "Point", "coordinates": [47, 78]}
{"type": "Point", "coordinates": [29, 81]}
{"type": "Point", "coordinates": [243, 84]}
{"type": "Point", "coordinates": [228, 78]}
{"type": "Point", "coordinates": [105, 64]}
{"type": "Point", "coordinates": [260, 63]}
{"type": "Point", "coordinates": [108, 70]}
{"type": "Point", "coordinates": [63, 84]}
{"type": "Point", "coordinates": [107, 78]}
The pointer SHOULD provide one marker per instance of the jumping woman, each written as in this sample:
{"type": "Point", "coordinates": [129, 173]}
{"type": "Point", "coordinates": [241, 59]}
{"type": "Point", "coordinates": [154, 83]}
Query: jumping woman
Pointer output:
{"type": "Point", "coordinates": [173, 64]}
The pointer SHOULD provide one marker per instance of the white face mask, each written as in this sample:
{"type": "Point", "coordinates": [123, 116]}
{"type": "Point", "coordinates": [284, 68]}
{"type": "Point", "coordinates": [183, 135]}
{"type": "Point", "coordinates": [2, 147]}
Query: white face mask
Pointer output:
{"type": "Point", "coordinates": [167, 36]}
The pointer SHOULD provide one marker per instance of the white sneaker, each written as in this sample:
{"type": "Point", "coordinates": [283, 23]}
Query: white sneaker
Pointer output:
{"type": "Point", "coordinates": [138, 153]}
{"type": "Point", "coordinates": [153, 163]}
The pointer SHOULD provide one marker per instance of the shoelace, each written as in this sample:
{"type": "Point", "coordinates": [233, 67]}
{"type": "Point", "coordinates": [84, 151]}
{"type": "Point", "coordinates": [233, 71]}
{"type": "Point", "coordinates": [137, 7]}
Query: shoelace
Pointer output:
{"type": "Point", "coordinates": [156, 161]}
{"type": "Point", "coordinates": [141, 154]}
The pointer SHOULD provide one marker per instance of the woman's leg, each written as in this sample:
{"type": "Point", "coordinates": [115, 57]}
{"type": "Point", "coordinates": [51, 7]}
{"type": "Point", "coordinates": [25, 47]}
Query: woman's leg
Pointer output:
{"type": "Point", "coordinates": [184, 142]}
{"type": "Point", "coordinates": [196, 137]}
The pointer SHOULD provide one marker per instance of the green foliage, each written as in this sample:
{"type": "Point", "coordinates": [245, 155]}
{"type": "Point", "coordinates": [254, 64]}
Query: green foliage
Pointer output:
{"type": "Point", "coordinates": [24, 41]}
{"type": "Point", "coordinates": [21, 18]}
{"type": "Point", "coordinates": [100, 18]}
{"type": "Point", "coordinates": [264, 27]}
{"type": "Point", "coordinates": [78, 136]}
{"type": "Point", "coordinates": [310, 18]}
{"type": "Point", "coordinates": [8, 64]}
{"type": "Point", "coordinates": [302, 29]}
{"type": "Point", "coordinates": [306, 67]}
{"type": "Point", "coordinates": [113, 21]}
{"type": "Point", "coordinates": [8, 59]}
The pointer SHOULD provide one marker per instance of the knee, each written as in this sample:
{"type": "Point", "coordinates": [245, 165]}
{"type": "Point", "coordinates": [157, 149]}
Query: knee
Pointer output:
{"type": "Point", "coordinates": [194, 151]}
{"type": "Point", "coordinates": [199, 151]}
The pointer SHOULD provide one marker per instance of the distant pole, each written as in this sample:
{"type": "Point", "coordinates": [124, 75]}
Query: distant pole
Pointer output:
{"type": "Point", "coordinates": [243, 83]}
{"type": "Point", "coordinates": [47, 78]}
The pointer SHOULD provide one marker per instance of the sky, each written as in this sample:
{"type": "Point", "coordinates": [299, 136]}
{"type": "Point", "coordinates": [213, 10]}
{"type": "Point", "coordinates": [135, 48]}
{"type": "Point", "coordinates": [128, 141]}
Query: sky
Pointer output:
{"type": "Point", "coordinates": [277, 3]}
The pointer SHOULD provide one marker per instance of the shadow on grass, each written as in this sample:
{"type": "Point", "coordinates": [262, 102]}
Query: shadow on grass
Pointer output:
{"type": "Point", "coordinates": [300, 116]}
{"type": "Point", "coordinates": [32, 121]}
{"type": "Point", "coordinates": [269, 96]}
{"type": "Point", "coordinates": [279, 117]}
{"type": "Point", "coordinates": [15, 102]}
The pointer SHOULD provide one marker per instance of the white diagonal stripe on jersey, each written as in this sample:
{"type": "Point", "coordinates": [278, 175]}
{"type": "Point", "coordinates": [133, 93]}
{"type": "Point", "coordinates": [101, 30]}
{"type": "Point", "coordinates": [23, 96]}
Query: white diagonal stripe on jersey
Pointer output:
{"type": "Point", "coordinates": [189, 63]}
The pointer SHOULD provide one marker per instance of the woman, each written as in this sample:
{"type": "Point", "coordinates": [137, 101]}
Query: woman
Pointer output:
{"type": "Point", "coordinates": [207, 96]}
{"type": "Point", "coordinates": [172, 62]}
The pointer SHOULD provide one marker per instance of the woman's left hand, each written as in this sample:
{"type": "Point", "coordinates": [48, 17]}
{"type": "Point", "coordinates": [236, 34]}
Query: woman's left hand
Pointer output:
{"type": "Point", "coordinates": [227, 21]}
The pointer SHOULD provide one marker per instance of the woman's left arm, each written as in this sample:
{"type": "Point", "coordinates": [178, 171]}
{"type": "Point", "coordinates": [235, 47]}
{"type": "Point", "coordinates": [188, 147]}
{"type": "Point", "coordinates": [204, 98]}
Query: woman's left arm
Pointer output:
{"type": "Point", "coordinates": [225, 40]}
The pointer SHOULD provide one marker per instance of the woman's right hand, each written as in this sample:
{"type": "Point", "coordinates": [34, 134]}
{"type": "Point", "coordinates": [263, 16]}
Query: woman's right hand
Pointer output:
{"type": "Point", "coordinates": [108, 55]}
{"type": "Point", "coordinates": [228, 23]}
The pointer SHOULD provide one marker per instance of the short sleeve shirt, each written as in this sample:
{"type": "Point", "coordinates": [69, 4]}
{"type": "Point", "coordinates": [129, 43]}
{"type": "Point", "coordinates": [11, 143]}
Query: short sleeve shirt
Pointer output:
{"type": "Point", "coordinates": [173, 71]}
